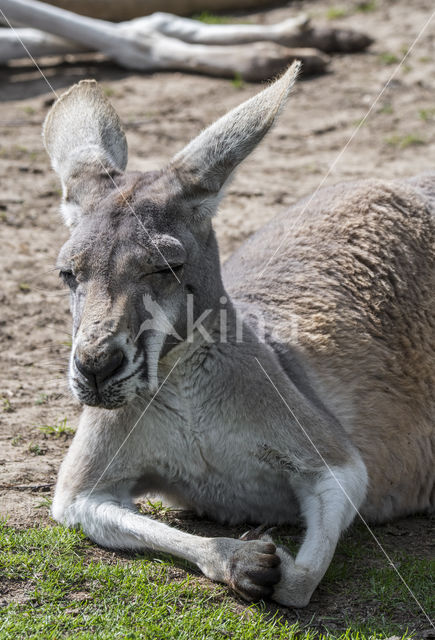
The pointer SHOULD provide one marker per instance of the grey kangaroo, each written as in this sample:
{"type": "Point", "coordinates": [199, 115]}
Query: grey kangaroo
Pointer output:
{"type": "Point", "coordinates": [303, 389]}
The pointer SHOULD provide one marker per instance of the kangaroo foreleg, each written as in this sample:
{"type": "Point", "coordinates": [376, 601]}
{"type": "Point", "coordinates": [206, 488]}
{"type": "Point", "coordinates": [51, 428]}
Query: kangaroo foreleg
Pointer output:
{"type": "Point", "coordinates": [328, 505]}
{"type": "Point", "coordinates": [251, 569]}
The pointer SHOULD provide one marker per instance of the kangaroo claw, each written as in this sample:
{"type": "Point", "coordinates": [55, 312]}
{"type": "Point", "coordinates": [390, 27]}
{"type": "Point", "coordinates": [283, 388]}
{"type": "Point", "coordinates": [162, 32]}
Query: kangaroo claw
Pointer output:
{"type": "Point", "coordinates": [257, 533]}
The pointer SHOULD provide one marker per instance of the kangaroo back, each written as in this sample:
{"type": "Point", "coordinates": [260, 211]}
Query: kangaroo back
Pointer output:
{"type": "Point", "coordinates": [349, 296]}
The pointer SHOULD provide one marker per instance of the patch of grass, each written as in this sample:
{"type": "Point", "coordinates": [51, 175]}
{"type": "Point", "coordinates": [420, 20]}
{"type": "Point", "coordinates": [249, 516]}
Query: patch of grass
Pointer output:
{"type": "Point", "coordinates": [386, 108]}
{"type": "Point", "coordinates": [404, 141]}
{"type": "Point", "coordinates": [366, 7]}
{"type": "Point", "coordinates": [335, 13]}
{"type": "Point", "coordinates": [237, 81]}
{"type": "Point", "coordinates": [29, 110]}
{"type": "Point", "coordinates": [15, 442]}
{"type": "Point", "coordinates": [388, 58]}
{"type": "Point", "coordinates": [67, 592]}
{"type": "Point", "coordinates": [360, 122]}
{"type": "Point", "coordinates": [24, 287]}
{"type": "Point", "coordinates": [6, 404]}
{"type": "Point", "coordinates": [210, 18]}
{"type": "Point", "coordinates": [156, 508]}
{"type": "Point", "coordinates": [58, 429]}
{"type": "Point", "coordinates": [42, 399]}
{"type": "Point", "coordinates": [36, 450]}
{"type": "Point", "coordinates": [389, 592]}
{"type": "Point", "coordinates": [427, 114]}
{"type": "Point", "coordinates": [46, 503]}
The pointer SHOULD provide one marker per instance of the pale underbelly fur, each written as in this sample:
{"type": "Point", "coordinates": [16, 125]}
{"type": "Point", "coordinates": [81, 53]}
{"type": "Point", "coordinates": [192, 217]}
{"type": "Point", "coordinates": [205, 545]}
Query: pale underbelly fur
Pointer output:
{"type": "Point", "coordinates": [218, 477]}
{"type": "Point", "coordinates": [231, 500]}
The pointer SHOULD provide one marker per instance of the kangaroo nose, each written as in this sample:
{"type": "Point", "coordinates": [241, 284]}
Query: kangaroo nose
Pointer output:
{"type": "Point", "coordinates": [101, 370]}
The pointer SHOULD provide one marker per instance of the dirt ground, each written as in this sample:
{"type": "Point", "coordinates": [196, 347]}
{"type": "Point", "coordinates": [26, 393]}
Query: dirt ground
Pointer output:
{"type": "Point", "coordinates": [161, 112]}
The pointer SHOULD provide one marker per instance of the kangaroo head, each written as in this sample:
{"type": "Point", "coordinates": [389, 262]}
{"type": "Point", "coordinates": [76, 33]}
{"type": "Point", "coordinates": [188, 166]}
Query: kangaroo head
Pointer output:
{"type": "Point", "coordinates": [141, 244]}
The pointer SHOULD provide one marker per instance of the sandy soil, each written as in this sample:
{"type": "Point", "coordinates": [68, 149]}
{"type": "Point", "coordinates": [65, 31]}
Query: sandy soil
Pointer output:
{"type": "Point", "coordinates": [161, 113]}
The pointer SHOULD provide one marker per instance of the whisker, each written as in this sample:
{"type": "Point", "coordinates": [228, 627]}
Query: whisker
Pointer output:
{"type": "Point", "coordinates": [51, 294]}
{"type": "Point", "coordinates": [52, 326]}
{"type": "Point", "coordinates": [59, 370]}
{"type": "Point", "coordinates": [60, 363]}
{"type": "Point", "coordinates": [60, 384]}
{"type": "Point", "coordinates": [40, 274]}
{"type": "Point", "coordinates": [53, 346]}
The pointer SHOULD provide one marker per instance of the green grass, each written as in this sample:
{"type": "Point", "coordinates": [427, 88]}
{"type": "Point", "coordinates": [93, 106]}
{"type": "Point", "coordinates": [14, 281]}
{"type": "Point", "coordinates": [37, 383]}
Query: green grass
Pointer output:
{"type": "Point", "coordinates": [210, 18]}
{"type": "Point", "coordinates": [366, 7]}
{"type": "Point", "coordinates": [213, 18]}
{"type": "Point", "coordinates": [237, 81]}
{"type": "Point", "coordinates": [58, 429]}
{"type": "Point", "coordinates": [65, 589]}
{"type": "Point", "coordinates": [42, 399]}
{"type": "Point", "coordinates": [379, 583]}
{"type": "Point", "coordinates": [6, 405]}
{"type": "Point", "coordinates": [404, 141]}
{"type": "Point", "coordinates": [388, 58]}
{"type": "Point", "coordinates": [72, 595]}
{"type": "Point", "coordinates": [427, 114]}
{"type": "Point", "coordinates": [335, 13]}
{"type": "Point", "coordinates": [36, 450]}
{"type": "Point", "coordinates": [386, 108]}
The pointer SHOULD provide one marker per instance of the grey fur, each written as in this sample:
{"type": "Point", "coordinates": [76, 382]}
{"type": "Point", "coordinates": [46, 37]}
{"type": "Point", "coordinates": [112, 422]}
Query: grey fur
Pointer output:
{"type": "Point", "coordinates": [317, 424]}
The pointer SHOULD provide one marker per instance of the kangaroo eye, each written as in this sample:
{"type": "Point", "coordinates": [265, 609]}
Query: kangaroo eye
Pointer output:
{"type": "Point", "coordinates": [69, 278]}
{"type": "Point", "coordinates": [176, 268]}
{"type": "Point", "coordinates": [169, 270]}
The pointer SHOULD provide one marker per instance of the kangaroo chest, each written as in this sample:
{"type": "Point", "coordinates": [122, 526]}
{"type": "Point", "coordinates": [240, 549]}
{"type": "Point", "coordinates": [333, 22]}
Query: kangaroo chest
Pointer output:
{"type": "Point", "coordinates": [201, 456]}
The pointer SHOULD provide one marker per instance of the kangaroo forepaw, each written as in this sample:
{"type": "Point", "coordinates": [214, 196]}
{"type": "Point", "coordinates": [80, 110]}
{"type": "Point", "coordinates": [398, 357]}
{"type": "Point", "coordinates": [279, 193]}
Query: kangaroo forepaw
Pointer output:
{"type": "Point", "coordinates": [255, 570]}
{"type": "Point", "coordinates": [294, 587]}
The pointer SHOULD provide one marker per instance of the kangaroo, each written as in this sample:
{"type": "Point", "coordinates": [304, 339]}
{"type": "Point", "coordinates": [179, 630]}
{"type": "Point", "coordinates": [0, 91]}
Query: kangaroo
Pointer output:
{"type": "Point", "coordinates": [295, 383]}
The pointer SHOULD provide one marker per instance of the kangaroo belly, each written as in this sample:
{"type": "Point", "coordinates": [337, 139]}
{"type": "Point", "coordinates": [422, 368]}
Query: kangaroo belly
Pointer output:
{"type": "Point", "coordinates": [224, 498]}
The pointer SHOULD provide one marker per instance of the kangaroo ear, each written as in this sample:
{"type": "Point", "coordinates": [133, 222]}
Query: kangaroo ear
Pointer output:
{"type": "Point", "coordinates": [83, 137]}
{"type": "Point", "coordinates": [206, 164]}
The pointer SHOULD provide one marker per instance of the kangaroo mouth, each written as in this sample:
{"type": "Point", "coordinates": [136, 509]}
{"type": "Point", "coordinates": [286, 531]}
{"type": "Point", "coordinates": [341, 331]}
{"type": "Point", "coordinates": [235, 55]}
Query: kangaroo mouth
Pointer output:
{"type": "Point", "coordinates": [106, 403]}
{"type": "Point", "coordinates": [112, 397]}
{"type": "Point", "coordinates": [112, 394]}
{"type": "Point", "coordinates": [111, 404]}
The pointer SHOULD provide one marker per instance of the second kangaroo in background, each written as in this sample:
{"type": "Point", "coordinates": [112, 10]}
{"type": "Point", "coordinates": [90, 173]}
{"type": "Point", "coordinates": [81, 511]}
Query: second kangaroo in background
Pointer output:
{"type": "Point", "coordinates": [196, 385]}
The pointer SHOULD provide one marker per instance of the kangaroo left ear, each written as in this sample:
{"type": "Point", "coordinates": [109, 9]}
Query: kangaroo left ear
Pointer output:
{"type": "Point", "coordinates": [83, 137]}
{"type": "Point", "coordinates": [205, 165]}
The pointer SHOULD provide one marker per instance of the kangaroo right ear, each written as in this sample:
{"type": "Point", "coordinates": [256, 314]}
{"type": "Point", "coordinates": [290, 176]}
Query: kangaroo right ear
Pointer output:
{"type": "Point", "coordinates": [83, 137]}
{"type": "Point", "coordinates": [204, 167]}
